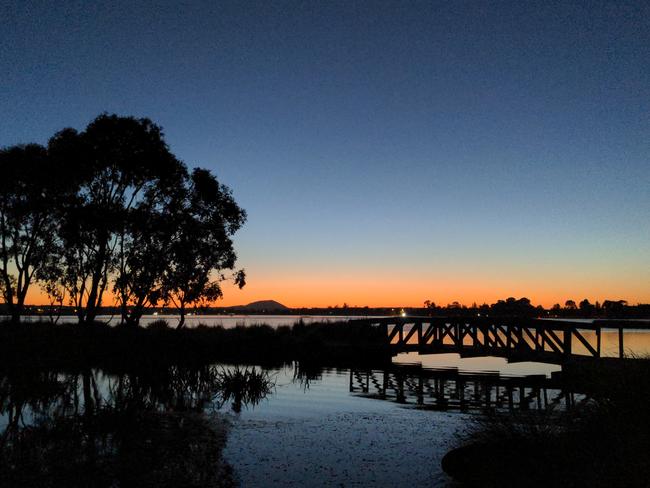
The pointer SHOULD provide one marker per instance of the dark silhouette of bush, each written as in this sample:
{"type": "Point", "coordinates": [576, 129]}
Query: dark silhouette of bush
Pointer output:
{"type": "Point", "coordinates": [30, 345]}
{"type": "Point", "coordinates": [602, 443]}
{"type": "Point", "coordinates": [160, 324]}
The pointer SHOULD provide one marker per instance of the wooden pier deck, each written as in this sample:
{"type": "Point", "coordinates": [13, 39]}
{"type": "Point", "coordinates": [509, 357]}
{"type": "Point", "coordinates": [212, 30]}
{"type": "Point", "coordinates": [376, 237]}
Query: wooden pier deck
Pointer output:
{"type": "Point", "coordinates": [515, 338]}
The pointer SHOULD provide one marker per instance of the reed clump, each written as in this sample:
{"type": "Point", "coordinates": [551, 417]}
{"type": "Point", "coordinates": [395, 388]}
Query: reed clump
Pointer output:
{"type": "Point", "coordinates": [243, 386]}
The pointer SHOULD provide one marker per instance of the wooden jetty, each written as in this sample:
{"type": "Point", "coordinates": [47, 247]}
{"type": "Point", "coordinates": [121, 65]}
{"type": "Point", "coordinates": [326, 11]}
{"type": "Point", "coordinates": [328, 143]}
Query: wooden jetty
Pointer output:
{"type": "Point", "coordinates": [515, 338]}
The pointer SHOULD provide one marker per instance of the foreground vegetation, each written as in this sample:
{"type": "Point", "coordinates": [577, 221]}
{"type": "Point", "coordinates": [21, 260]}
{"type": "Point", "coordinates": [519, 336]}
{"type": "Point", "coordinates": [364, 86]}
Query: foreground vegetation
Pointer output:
{"type": "Point", "coordinates": [43, 345]}
{"type": "Point", "coordinates": [603, 442]}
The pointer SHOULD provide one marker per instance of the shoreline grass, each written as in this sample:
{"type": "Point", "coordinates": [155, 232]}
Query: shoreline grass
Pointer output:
{"type": "Point", "coordinates": [602, 443]}
{"type": "Point", "coordinates": [43, 345]}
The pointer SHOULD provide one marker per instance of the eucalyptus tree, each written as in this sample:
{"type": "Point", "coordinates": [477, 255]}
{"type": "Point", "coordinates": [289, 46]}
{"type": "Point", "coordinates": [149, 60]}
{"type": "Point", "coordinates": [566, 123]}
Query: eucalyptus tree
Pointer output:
{"type": "Point", "coordinates": [114, 164]}
{"type": "Point", "coordinates": [31, 193]}
{"type": "Point", "coordinates": [151, 229]}
{"type": "Point", "coordinates": [202, 254]}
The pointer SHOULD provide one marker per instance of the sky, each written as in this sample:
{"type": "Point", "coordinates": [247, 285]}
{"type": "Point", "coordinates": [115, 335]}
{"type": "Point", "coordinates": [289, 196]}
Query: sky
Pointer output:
{"type": "Point", "coordinates": [386, 152]}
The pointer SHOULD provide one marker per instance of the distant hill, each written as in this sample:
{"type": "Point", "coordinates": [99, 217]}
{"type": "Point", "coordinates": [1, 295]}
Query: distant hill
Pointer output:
{"type": "Point", "coordinates": [263, 306]}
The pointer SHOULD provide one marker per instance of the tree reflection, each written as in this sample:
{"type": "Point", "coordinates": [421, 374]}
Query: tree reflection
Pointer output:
{"type": "Point", "coordinates": [131, 429]}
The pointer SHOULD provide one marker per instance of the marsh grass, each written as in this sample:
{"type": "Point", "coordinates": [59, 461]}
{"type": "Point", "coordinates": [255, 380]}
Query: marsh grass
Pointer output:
{"type": "Point", "coordinates": [304, 373]}
{"type": "Point", "coordinates": [44, 345]}
{"type": "Point", "coordinates": [160, 324]}
{"type": "Point", "coordinates": [244, 386]}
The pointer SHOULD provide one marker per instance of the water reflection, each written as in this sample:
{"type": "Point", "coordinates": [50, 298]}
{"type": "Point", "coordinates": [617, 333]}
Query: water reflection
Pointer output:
{"type": "Point", "coordinates": [154, 428]}
{"type": "Point", "coordinates": [483, 363]}
{"type": "Point", "coordinates": [225, 321]}
{"type": "Point", "coordinates": [165, 427]}
{"type": "Point", "coordinates": [454, 389]}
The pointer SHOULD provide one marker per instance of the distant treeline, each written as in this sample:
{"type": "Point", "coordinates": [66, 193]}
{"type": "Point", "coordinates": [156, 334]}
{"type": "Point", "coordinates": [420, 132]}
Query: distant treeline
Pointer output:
{"type": "Point", "coordinates": [111, 209]}
{"type": "Point", "coordinates": [508, 307]}
{"type": "Point", "coordinates": [524, 307]}
{"type": "Point", "coordinates": [521, 307]}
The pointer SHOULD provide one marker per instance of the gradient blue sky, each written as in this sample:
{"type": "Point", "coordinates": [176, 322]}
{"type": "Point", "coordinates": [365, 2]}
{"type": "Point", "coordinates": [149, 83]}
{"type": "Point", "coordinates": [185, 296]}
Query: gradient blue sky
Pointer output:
{"type": "Point", "coordinates": [386, 152]}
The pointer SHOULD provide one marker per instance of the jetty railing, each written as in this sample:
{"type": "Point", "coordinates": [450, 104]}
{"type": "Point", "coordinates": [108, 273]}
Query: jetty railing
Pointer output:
{"type": "Point", "coordinates": [527, 338]}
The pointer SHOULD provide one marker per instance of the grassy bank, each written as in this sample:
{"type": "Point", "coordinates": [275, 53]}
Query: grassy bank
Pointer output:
{"type": "Point", "coordinates": [43, 345]}
{"type": "Point", "coordinates": [603, 442]}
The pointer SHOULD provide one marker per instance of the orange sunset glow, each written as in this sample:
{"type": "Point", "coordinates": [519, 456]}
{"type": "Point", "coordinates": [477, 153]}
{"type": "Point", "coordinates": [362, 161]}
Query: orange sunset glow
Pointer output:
{"type": "Point", "coordinates": [303, 291]}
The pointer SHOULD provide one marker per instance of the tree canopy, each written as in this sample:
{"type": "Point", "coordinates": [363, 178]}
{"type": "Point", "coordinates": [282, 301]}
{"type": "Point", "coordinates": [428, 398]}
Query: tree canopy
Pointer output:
{"type": "Point", "coordinates": [111, 209]}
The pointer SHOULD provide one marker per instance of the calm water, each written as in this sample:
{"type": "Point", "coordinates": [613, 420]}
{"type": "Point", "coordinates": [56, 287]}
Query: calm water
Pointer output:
{"type": "Point", "coordinates": [307, 426]}
{"type": "Point", "coordinates": [311, 426]}
{"type": "Point", "coordinates": [227, 321]}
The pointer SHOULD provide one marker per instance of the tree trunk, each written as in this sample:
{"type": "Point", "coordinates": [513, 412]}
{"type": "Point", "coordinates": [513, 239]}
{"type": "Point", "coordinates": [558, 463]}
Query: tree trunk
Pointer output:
{"type": "Point", "coordinates": [94, 297]}
{"type": "Point", "coordinates": [19, 307]}
{"type": "Point", "coordinates": [8, 290]}
{"type": "Point", "coordinates": [124, 320]}
{"type": "Point", "coordinates": [136, 315]}
{"type": "Point", "coordinates": [181, 322]}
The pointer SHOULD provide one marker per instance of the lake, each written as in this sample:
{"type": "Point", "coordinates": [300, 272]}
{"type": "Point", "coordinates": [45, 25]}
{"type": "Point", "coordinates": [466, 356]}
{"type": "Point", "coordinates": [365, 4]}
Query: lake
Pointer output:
{"type": "Point", "coordinates": [308, 426]}
{"type": "Point", "coordinates": [227, 321]}
{"type": "Point", "coordinates": [314, 426]}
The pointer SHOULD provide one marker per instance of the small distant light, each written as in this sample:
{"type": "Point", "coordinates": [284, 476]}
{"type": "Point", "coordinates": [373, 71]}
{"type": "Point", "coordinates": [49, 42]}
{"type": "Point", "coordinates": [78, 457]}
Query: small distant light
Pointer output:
{"type": "Point", "coordinates": [403, 314]}
{"type": "Point", "coordinates": [478, 314]}
{"type": "Point", "coordinates": [155, 313]}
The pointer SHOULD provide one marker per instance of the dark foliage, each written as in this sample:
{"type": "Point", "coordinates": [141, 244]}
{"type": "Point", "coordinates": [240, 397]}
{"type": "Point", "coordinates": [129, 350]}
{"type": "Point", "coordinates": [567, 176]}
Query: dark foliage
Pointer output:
{"type": "Point", "coordinates": [603, 443]}
{"type": "Point", "coordinates": [110, 208]}
{"type": "Point", "coordinates": [97, 345]}
{"type": "Point", "coordinates": [32, 193]}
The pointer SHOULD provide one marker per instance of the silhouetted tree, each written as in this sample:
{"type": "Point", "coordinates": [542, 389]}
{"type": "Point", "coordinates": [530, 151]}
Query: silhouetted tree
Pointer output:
{"type": "Point", "coordinates": [514, 307]}
{"type": "Point", "coordinates": [114, 163]}
{"type": "Point", "coordinates": [614, 308]}
{"type": "Point", "coordinates": [203, 250]}
{"type": "Point", "coordinates": [570, 305]}
{"type": "Point", "coordinates": [31, 191]}
{"type": "Point", "coordinates": [586, 308]}
{"type": "Point", "coordinates": [144, 247]}
{"type": "Point", "coordinates": [112, 206]}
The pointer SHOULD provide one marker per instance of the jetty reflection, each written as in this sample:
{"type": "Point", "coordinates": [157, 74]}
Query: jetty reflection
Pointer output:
{"type": "Point", "coordinates": [451, 389]}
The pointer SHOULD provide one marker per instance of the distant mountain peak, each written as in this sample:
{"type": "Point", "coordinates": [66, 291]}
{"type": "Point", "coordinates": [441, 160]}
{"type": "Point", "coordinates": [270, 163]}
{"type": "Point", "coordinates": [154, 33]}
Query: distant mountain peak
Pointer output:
{"type": "Point", "coordinates": [267, 305]}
